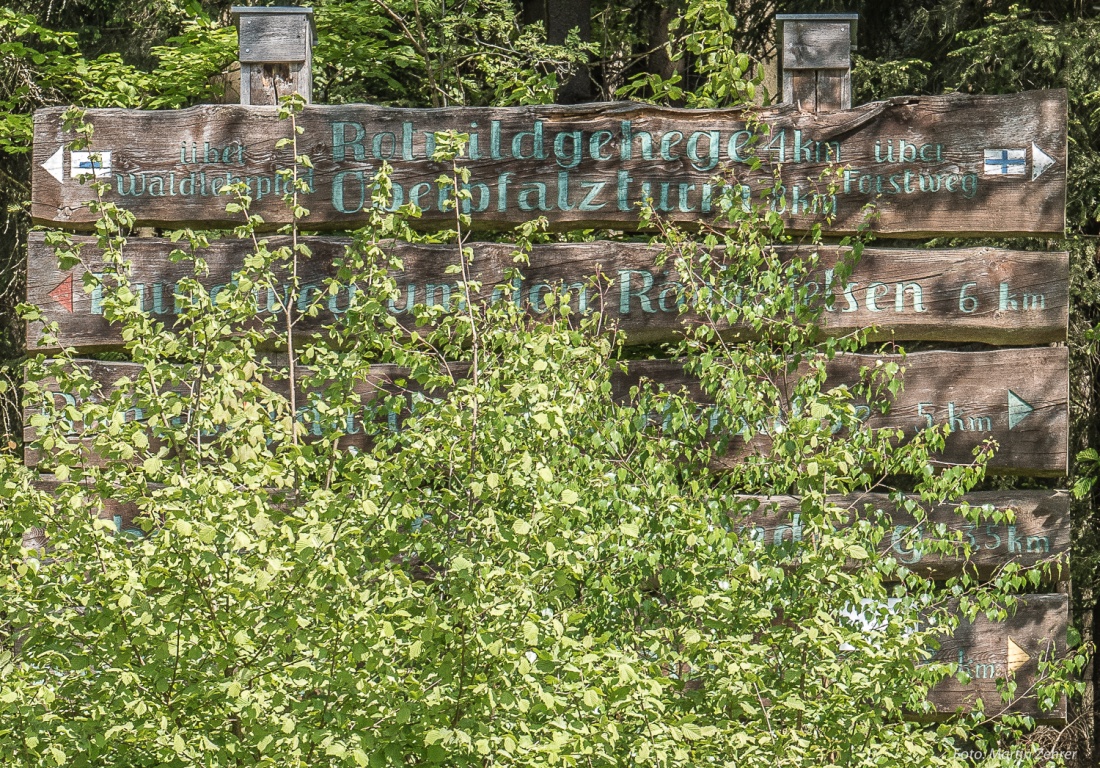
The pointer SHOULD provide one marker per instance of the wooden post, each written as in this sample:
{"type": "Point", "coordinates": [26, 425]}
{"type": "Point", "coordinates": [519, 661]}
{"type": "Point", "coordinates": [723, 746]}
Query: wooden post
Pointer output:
{"type": "Point", "coordinates": [815, 57]}
{"type": "Point", "coordinates": [276, 53]}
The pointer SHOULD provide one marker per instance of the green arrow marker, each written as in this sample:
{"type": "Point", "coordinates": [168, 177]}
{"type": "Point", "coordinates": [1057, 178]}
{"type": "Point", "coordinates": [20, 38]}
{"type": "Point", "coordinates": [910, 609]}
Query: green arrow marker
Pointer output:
{"type": "Point", "coordinates": [1018, 409]}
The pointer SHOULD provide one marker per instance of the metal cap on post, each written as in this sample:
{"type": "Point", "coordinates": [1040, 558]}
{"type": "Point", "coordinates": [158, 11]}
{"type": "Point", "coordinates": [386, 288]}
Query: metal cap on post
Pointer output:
{"type": "Point", "coordinates": [276, 52]}
{"type": "Point", "coordinates": [815, 58]}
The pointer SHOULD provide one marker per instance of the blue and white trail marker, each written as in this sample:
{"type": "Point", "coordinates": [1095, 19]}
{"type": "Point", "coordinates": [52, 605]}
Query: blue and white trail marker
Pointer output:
{"type": "Point", "coordinates": [97, 164]}
{"type": "Point", "coordinates": [1005, 162]}
{"type": "Point", "coordinates": [1013, 162]}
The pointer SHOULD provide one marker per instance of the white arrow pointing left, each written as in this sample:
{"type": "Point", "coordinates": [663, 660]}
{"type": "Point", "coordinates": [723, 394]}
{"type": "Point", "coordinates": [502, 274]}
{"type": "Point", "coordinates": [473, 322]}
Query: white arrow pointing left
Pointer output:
{"type": "Point", "coordinates": [55, 166]}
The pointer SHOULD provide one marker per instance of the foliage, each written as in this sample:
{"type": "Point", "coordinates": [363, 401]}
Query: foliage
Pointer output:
{"type": "Point", "coordinates": [871, 79]}
{"type": "Point", "coordinates": [59, 71]}
{"type": "Point", "coordinates": [724, 75]}
{"type": "Point", "coordinates": [40, 65]}
{"type": "Point", "coordinates": [496, 554]}
{"type": "Point", "coordinates": [412, 53]}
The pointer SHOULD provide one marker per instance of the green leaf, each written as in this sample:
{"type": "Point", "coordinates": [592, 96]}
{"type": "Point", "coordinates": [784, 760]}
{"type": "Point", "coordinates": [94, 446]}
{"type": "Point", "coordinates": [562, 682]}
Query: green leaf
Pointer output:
{"type": "Point", "coordinates": [460, 564]}
{"type": "Point", "coordinates": [435, 735]}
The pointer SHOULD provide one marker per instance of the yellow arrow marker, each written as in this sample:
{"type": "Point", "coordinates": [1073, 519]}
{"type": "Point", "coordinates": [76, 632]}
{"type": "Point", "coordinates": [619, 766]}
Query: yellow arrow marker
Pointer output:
{"type": "Point", "coordinates": [1017, 657]}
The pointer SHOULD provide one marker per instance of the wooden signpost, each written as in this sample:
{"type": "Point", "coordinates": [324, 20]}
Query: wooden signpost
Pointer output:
{"type": "Point", "coordinates": [1017, 397]}
{"type": "Point", "coordinates": [989, 651]}
{"type": "Point", "coordinates": [1038, 533]}
{"type": "Point", "coordinates": [908, 167]}
{"type": "Point", "coordinates": [979, 294]}
{"type": "Point", "coordinates": [961, 164]}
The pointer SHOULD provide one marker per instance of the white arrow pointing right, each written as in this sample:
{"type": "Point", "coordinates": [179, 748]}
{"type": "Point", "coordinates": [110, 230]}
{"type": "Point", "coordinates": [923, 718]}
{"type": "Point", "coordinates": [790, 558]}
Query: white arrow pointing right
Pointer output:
{"type": "Point", "coordinates": [1040, 161]}
{"type": "Point", "coordinates": [55, 166]}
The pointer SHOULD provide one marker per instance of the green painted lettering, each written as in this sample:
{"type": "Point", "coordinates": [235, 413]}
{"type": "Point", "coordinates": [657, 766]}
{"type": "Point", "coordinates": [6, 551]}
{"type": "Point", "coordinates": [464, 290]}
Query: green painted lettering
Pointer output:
{"type": "Point", "coordinates": [875, 291]}
{"type": "Point", "coordinates": [378, 145]}
{"type": "Point", "coordinates": [624, 180]}
{"type": "Point", "coordinates": [341, 202]}
{"type": "Point", "coordinates": [340, 142]}
{"type": "Point", "coordinates": [572, 158]}
{"type": "Point", "coordinates": [534, 296]}
{"type": "Point", "coordinates": [707, 161]}
{"type": "Point", "coordinates": [626, 148]}
{"type": "Point", "coordinates": [596, 143]}
{"type": "Point", "coordinates": [917, 293]}
{"type": "Point", "coordinates": [563, 191]}
{"type": "Point", "coordinates": [525, 197]}
{"type": "Point", "coordinates": [626, 292]}
{"type": "Point", "coordinates": [537, 150]}
{"type": "Point", "coordinates": [667, 143]}
{"type": "Point", "coordinates": [593, 187]}
{"type": "Point", "coordinates": [502, 189]}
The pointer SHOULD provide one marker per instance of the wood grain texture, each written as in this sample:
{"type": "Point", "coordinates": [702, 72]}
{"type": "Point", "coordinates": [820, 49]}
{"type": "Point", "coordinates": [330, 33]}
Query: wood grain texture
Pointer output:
{"type": "Point", "coordinates": [576, 165]}
{"type": "Point", "coordinates": [1017, 397]}
{"type": "Point", "coordinates": [834, 90]}
{"type": "Point", "coordinates": [977, 294]}
{"type": "Point", "coordinates": [1040, 531]}
{"type": "Point", "coordinates": [267, 38]}
{"type": "Point", "coordinates": [816, 45]}
{"type": "Point", "coordinates": [984, 649]}
{"type": "Point", "coordinates": [800, 89]}
{"type": "Point", "coordinates": [266, 84]}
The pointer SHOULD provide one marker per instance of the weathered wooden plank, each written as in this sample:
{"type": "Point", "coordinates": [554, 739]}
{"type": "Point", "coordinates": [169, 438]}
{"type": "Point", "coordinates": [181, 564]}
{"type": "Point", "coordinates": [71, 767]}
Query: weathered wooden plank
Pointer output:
{"type": "Point", "coordinates": [990, 651]}
{"type": "Point", "coordinates": [273, 35]}
{"type": "Point", "coordinates": [1040, 531]}
{"type": "Point", "coordinates": [382, 380]}
{"type": "Point", "coordinates": [956, 164]}
{"type": "Point", "coordinates": [977, 294]}
{"type": "Point", "coordinates": [1018, 397]}
{"type": "Point", "coordinates": [834, 87]}
{"type": "Point", "coordinates": [816, 45]}
{"type": "Point", "coordinates": [803, 89]}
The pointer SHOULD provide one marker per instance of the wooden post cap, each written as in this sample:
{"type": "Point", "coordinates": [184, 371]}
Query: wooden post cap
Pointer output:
{"type": "Point", "coordinates": [276, 52]}
{"type": "Point", "coordinates": [815, 59]}
{"type": "Point", "coordinates": [816, 40]}
{"type": "Point", "coordinates": [274, 34]}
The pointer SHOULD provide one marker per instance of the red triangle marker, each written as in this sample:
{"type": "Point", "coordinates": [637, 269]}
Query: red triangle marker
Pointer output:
{"type": "Point", "coordinates": [63, 293]}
